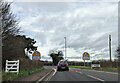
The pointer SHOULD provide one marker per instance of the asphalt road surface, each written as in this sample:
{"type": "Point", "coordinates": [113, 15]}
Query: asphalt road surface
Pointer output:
{"type": "Point", "coordinates": [84, 75]}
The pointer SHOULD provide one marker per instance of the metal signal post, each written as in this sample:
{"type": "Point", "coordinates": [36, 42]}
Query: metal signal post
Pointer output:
{"type": "Point", "coordinates": [65, 47]}
{"type": "Point", "coordinates": [110, 46]}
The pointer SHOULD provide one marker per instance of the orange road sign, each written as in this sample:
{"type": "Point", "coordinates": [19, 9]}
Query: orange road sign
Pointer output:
{"type": "Point", "coordinates": [86, 56]}
{"type": "Point", "coordinates": [36, 55]}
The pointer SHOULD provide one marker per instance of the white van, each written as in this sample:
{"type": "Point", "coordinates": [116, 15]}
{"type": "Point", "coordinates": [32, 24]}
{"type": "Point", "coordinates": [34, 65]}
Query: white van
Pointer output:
{"type": "Point", "coordinates": [95, 64]}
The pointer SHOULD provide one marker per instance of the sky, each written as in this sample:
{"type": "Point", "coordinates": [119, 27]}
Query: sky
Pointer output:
{"type": "Point", "coordinates": [86, 26]}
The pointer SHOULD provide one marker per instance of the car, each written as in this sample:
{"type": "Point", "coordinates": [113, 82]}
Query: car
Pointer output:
{"type": "Point", "coordinates": [62, 65]}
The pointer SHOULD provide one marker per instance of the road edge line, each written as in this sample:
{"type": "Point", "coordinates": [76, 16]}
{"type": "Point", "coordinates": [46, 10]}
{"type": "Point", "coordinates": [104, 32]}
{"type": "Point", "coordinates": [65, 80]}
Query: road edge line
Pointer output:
{"type": "Point", "coordinates": [51, 75]}
{"type": "Point", "coordinates": [41, 79]}
{"type": "Point", "coordinates": [44, 76]}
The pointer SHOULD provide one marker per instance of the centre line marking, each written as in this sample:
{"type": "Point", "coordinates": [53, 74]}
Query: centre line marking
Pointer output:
{"type": "Point", "coordinates": [95, 78]}
{"type": "Point", "coordinates": [103, 71]}
{"type": "Point", "coordinates": [79, 72]}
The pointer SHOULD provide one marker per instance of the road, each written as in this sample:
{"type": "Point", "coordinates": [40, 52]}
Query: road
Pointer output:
{"type": "Point", "coordinates": [76, 74]}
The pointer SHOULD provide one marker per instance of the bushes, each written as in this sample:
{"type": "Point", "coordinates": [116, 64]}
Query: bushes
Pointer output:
{"type": "Point", "coordinates": [105, 63]}
{"type": "Point", "coordinates": [109, 64]}
{"type": "Point", "coordinates": [27, 64]}
{"type": "Point", "coordinates": [78, 63]}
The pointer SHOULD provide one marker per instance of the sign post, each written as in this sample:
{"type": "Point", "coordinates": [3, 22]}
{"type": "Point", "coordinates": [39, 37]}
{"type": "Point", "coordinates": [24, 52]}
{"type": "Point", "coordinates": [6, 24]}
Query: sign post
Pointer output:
{"type": "Point", "coordinates": [86, 56]}
{"type": "Point", "coordinates": [84, 62]}
{"type": "Point", "coordinates": [36, 55]}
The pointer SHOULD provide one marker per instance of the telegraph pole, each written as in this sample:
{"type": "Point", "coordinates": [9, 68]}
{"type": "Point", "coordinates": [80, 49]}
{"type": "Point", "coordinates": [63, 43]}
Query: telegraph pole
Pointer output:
{"type": "Point", "coordinates": [65, 47]}
{"type": "Point", "coordinates": [110, 46]}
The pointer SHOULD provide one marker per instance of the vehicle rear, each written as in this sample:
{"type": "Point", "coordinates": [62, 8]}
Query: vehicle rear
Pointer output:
{"type": "Point", "coordinates": [95, 64]}
{"type": "Point", "coordinates": [62, 65]}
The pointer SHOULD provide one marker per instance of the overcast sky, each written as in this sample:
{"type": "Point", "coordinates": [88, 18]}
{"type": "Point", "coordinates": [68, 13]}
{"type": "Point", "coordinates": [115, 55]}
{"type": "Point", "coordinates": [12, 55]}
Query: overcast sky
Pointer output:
{"type": "Point", "coordinates": [85, 24]}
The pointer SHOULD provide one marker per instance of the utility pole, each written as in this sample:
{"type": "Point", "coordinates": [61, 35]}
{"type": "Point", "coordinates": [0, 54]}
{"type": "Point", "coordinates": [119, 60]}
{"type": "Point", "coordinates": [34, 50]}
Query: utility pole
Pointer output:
{"type": "Point", "coordinates": [65, 47]}
{"type": "Point", "coordinates": [110, 46]}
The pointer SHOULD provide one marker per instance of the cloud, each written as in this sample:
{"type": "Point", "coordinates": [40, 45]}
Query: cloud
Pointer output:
{"type": "Point", "coordinates": [85, 24]}
{"type": "Point", "coordinates": [63, 0]}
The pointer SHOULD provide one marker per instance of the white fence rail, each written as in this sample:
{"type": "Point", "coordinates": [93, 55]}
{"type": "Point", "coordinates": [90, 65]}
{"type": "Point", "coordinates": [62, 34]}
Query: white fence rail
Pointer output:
{"type": "Point", "coordinates": [12, 66]}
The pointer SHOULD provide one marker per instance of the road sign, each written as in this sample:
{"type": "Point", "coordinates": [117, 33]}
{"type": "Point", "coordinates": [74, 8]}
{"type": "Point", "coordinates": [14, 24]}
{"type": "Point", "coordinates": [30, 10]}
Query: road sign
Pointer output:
{"type": "Point", "coordinates": [86, 56]}
{"type": "Point", "coordinates": [36, 55]}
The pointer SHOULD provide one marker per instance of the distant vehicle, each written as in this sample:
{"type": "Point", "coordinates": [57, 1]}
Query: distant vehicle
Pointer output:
{"type": "Point", "coordinates": [95, 64]}
{"type": "Point", "coordinates": [62, 65]}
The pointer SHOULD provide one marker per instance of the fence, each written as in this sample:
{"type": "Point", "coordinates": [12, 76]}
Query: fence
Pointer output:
{"type": "Point", "coordinates": [12, 66]}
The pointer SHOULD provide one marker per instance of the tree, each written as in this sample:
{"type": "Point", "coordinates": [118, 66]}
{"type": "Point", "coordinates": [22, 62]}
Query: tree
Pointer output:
{"type": "Point", "coordinates": [30, 45]}
{"type": "Point", "coordinates": [9, 23]}
{"type": "Point", "coordinates": [13, 44]}
{"type": "Point", "coordinates": [8, 30]}
{"type": "Point", "coordinates": [118, 51]}
{"type": "Point", "coordinates": [15, 48]}
{"type": "Point", "coordinates": [56, 56]}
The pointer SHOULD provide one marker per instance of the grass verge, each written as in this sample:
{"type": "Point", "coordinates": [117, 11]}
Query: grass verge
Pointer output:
{"type": "Point", "coordinates": [81, 67]}
{"type": "Point", "coordinates": [108, 69]}
{"type": "Point", "coordinates": [11, 76]}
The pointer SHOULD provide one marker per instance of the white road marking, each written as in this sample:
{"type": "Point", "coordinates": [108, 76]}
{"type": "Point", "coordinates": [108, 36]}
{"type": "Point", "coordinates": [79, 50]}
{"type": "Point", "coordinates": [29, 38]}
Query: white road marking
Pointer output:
{"type": "Point", "coordinates": [95, 78]}
{"type": "Point", "coordinates": [111, 72]}
{"type": "Point", "coordinates": [42, 78]}
{"type": "Point", "coordinates": [103, 71]}
{"type": "Point", "coordinates": [97, 71]}
{"type": "Point", "coordinates": [79, 72]}
{"type": "Point", "coordinates": [54, 72]}
{"type": "Point", "coordinates": [46, 75]}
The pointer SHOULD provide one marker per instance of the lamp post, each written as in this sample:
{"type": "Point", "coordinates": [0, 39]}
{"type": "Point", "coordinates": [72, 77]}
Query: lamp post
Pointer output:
{"type": "Point", "coordinates": [65, 47]}
{"type": "Point", "coordinates": [110, 47]}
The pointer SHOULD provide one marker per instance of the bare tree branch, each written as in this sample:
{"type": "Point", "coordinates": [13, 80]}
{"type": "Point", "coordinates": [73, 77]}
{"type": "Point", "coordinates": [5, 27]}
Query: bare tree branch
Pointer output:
{"type": "Point", "coordinates": [9, 23]}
